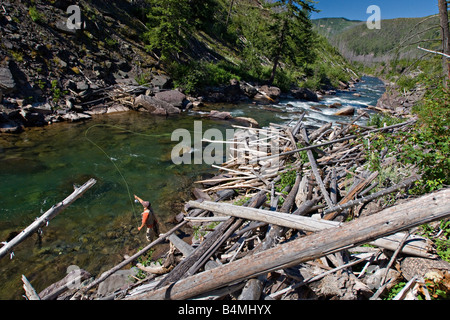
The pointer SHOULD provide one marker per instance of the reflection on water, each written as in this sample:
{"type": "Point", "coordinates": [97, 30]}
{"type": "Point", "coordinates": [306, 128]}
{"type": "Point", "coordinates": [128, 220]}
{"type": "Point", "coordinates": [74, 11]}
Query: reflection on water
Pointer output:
{"type": "Point", "coordinates": [128, 153]}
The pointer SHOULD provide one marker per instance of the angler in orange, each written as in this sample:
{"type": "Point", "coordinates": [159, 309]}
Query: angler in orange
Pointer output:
{"type": "Point", "coordinates": [148, 219]}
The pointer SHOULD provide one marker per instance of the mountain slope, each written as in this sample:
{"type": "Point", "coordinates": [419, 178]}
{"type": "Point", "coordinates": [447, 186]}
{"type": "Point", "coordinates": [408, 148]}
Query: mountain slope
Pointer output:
{"type": "Point", "coordinates": [330, 27]}
{"type": "Point", "coordinates": [397, 39]}
{"type": "Point", "coordinates": [44, 63]}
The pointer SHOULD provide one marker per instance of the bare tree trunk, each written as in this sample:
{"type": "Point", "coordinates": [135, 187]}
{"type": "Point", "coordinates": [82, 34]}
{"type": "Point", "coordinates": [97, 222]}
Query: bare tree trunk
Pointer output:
{"type": "Point", "coordinates": [443, 15]}
{"type": "Point", "coordinates": [229, 12]}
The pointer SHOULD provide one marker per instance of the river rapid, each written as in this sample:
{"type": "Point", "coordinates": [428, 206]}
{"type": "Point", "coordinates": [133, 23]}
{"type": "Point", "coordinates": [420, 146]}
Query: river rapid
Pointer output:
{"type": "Point", "coordinates": [127, 153]}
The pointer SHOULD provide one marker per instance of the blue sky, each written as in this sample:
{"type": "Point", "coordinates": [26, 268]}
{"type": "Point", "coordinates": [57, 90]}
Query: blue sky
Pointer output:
{"type": "Point", "coordinates": [390, 9]}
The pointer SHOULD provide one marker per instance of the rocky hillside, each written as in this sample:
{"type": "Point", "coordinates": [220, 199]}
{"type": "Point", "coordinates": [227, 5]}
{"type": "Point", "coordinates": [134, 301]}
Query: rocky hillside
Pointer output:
{"type": "Point", "coordinates": [397, 38]}
{"type": "Point", "coordinates": [44, 64]}
{"type": "Point", "coordinates": [50, 72]}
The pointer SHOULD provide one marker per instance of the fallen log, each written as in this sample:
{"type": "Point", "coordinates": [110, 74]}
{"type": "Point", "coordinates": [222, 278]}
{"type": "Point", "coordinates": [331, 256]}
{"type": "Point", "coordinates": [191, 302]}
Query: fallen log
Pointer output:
{"type": "Point", "coordinates": [415, 245]}
{"type": "Point", "coordinates": [432, 207]}
{"type": "Point", "coordinates": [315, 170]}
{"type": "Point", "coordinates": [330, 213]}
{"type": "Point", "coordinates": [45, 218]}
{"type": "Point", "coordinates": [332, 142]}
{"type": "Point", "coordinates": [202, 253]}
{"type": "Point", "coordinates": [30, 292]}
{"type": "Point", "coordinates": [127, 261]}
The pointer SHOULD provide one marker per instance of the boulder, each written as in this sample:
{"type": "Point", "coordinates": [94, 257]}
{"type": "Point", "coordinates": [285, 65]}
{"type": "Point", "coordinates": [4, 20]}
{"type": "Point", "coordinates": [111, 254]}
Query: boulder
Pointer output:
{"type": "Point", "coordinates": [248, 90]}
{"type": "Point", "coordinates": [43, 108]}
{"type": "Point", "coordinates": [174, 97]}
{"type": "Point", "coordinates": [220, 115]}
{"type": "Point", "coordinates": [117, 108]}
{"type": "Point", "coordinates": [10, 127]}
{"type": "Point", "coordinates": [82, 85]}
{"type": "Point", "coordinates": [304, 94]}
{"type": "Point", "coordinates": [347, 111]}
{"type": "Point", "coordinates": [249, 121]}
{"type": "Point", "coordinates": [119, 280]}
{"type": "Point", "coordinates": [412, 266]}
{"type": "Point", "coordinates": [74, 117]}
{"type": "Point", "coordinates": [335, 105]}
{"type": "Point", "coordinates": [7, 83]}
{"type": "Point", "coordinates": [62, 27]}
{"type": "Point", "coordinates": [272, 92]}
{"type": "Point", "coordinates": [161, 81]}
{"type": "Point", "coordinates": [234, 89]}
{"type": "Point", "coordinates": [32, 118]}
{"type": "Point", "coordinates": [154, 105]}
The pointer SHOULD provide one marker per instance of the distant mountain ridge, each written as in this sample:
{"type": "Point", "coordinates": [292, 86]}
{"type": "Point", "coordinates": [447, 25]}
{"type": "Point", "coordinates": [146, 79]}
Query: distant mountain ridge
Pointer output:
{"type": "Point", "coordinates": [332, 26]}
{"type": "Point", "coordinates": [397, 38]}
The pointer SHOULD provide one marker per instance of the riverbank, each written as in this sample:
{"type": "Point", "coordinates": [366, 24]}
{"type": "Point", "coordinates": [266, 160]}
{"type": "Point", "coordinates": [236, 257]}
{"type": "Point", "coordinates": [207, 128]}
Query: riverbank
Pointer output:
{"type": "Point", "coordinates": [262, 249]}
{"type": "Point", "coordinates": [39, 166]}
{"type": "Point", "coordinates": [15, 116]}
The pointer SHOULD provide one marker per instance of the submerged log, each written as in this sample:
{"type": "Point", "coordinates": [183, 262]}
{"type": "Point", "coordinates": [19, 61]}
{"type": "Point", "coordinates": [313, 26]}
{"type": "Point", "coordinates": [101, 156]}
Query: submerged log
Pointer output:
{"type": "Point", "coordinates": [425, 209]}
{"type": "Point", "coordinates": [30, 292]}
{"type": "Point", "coordinates": [45, 218]}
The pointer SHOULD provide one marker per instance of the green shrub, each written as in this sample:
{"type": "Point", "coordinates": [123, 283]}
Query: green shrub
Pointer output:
{"type": "Point", "coordinates": [196, 75]}
{"type": "Point", "coordinates": [426, 145]}
{"type": "Point", "coordinates": [34, 14]}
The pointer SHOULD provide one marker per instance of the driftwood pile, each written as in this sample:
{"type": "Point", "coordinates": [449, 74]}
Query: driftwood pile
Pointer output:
{"type": "Point", "coordinates": [291, 220]}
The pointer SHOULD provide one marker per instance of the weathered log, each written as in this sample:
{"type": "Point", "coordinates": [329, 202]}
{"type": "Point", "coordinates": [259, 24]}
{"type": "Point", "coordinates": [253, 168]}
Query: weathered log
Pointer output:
{"type": "Point", "coordinates": [330, 212]}
{"type": "Point", "coordinates": [416, 212]}
{"type": "Point", "coordinates": [45, 218]}
{"type": "Point", "coordinates": [415, 245]}
{"type": "Point", "coordinates": [333, 141]}
{"type": "Point", "coordinates": [30, 292]}
{"type": "Point", "coordinates": [201, 252]}
{"type": "Point", "coordinates": [127, 261]}
{"type": "Point", "coordinates": [313, 164]}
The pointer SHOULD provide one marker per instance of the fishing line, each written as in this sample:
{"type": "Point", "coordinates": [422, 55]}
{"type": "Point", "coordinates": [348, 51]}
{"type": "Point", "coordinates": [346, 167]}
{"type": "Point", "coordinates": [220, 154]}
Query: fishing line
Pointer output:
{"type": "Point", "coordinates": [112, 161]}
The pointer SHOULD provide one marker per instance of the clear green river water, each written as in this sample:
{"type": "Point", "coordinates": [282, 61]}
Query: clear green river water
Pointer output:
{"type": "Point", "coordinates": [127, 153]}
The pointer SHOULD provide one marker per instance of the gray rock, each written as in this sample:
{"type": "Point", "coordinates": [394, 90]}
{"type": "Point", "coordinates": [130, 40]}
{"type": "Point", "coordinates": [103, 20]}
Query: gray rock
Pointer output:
{"type": "Point", "coordinates": [10, 127]}
{"type": "Point", "coordinates": [74, 117]}
{"type": "Point", "coordinates": [82, 85]}
{"type": "Point", "coordinates": [412, 266]}
{"type": "Point", "coordinates": [7, 83]}
{"type": "Point", "coordinates": [119, 280]}
{"type": "Point", "coordinates": [220, 115]}
{"type": "Point", "coordinates": [161, 81]}
{"type": "Point", "coordinates": [43, 108]}
{"type": "Point", "coordinates": [234, 89]}
{"type": "Point", "coordinates": [117, 108]}
{"type": "Point", "coordinates": [174, 97]}
{"type": "Point", "coordinates": [347, 111]}
{"type": "Point", "coordinates": [271, 91]}
{"type": "Point", "coordinates": [304, 94]}
{"type": "Point", "coordinates": [248, 90]}
{"type": "Point", "coordinates": [62, 27]}
{"type": "Point", "coordinates": [154, 106]}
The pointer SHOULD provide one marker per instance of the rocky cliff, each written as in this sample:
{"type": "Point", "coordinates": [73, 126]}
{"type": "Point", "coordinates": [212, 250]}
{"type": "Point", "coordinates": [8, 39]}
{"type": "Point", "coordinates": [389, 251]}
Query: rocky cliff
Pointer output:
{"type": "Point", "coordinates": [46, 67]}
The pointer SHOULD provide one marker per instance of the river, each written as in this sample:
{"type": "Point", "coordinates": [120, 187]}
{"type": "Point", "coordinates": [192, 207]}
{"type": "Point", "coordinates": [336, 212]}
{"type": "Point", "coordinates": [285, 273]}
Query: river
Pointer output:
{"type": "Point", "coordinates": [128, 153]}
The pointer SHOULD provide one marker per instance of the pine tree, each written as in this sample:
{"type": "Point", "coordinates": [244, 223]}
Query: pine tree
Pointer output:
{"type": "Point", "coordinates": [168, 26]}
{"type": "Point", "coordinates": [292, 35]}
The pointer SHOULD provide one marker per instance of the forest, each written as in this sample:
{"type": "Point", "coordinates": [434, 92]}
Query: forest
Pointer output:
{"type": "Point", "coordinates": [268, 42]}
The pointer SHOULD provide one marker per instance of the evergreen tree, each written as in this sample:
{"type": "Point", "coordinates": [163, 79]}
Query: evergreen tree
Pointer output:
{"type": "Point", "coordinates": [291, 39]}
{"type": "Point", "coordinates": [168, 25]}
